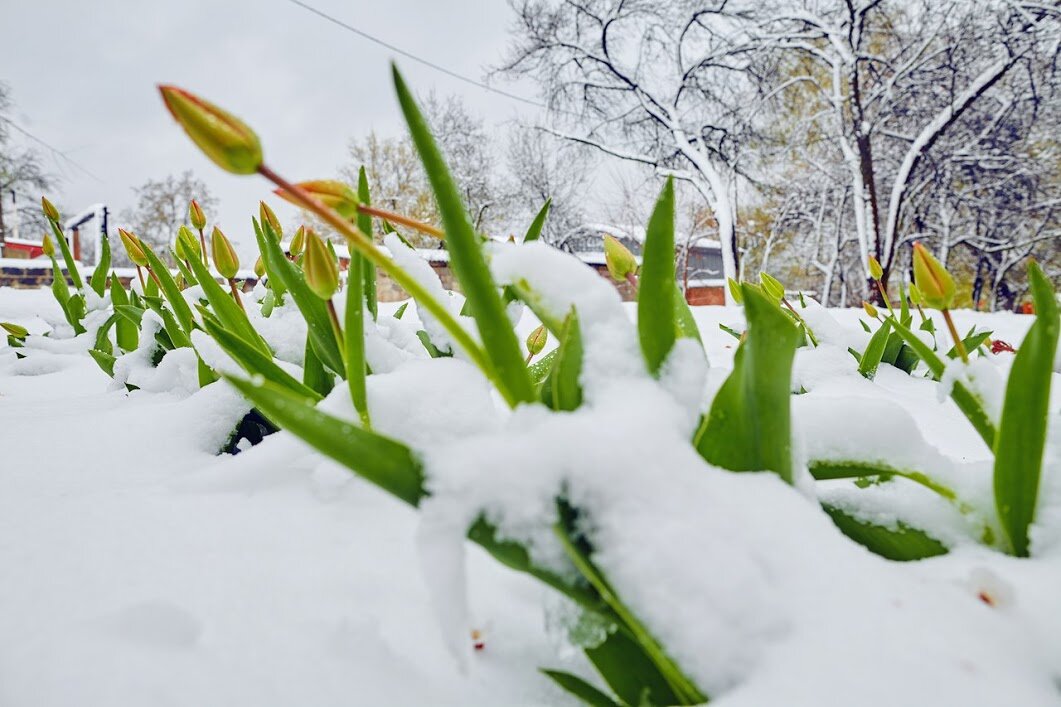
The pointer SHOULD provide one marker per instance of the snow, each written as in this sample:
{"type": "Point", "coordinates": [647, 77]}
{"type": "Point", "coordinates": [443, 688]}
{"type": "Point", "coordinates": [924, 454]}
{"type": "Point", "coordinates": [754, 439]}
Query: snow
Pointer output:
{"type": "Point", "coordinates": [143, 567]}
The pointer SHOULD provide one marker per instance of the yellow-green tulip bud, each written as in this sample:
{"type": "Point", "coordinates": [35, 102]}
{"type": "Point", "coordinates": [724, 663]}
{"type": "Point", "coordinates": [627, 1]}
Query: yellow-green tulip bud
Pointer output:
{"type": "Point", "coordinates": [915, 295]}
{"type": "Point", "coordinates": [735, 291]}
{"type": "Point", "coordinates": [19, 332]}
{"type": "Point", "coordinates": [49, 210]}
{"type": "Point", "coordinates": [196, 215]}
{"type": "Point", "coordinates": [620, 261]}
{"type": "Point", "coordinates": [133, 247]}
{"type": "Point", "coordinates": [189, 242]}
{"type": "Point", "coordinates": [48, 246]}
{"type": "Point", "coordinates": [322, 272]}
{"type": "Point", "coordinates": [875, 270]}
{"type": "Point", "coordinates": [332, 193]}
{"type": "Point", "coordinates": [772, 286]}
{"type": "Point", "coordinates": [222, 137]}
{"type": "Point", "coordinates": [225, 259]}
{"type": "Point", "coordinates": [298, 242]}
{"type": "Point", "coordinates": [935, 284]}
{"type": "Point", "coordinates": [870, 309]}
{"type": "Point", "coordinates": [259, 268]}
{"type": "Point", "coordinates": [537, 339]}
{"type": "Point", "coordinates": [266, 216]}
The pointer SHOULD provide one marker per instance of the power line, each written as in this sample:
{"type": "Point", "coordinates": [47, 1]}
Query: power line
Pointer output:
{"type": "Point", "coordinates": [419, 59]}
{"type": "Point", "coordinates": [56, 151]}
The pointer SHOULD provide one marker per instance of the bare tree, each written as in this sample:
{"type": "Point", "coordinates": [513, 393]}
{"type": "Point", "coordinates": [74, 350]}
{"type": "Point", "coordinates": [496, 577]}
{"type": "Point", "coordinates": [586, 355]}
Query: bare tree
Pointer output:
{"type": "Point", "coordinates": [161, 208]}
{"type": "Point", "coordinates": [22, 178]}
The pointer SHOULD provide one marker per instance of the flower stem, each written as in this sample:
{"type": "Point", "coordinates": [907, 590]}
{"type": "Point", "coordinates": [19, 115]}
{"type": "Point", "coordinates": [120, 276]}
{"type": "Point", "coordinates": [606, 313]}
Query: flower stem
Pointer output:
{"type": "Point", "coordinates": [954, 335]}
{"type": "Point", "coordinates": [403, 220]}
{"type": "Point", "coordinates": [884, 298]}
{"type": "Point", "coordinates": [334, 316]}
{"type": "Point", "coordinates": [235, 293]}
{"type": "Point", "coordinates": [202, 242]}
{"type": "Point", "coordinates": [810, 334]}
{"type": "Point", "coordinates": [140, 274]}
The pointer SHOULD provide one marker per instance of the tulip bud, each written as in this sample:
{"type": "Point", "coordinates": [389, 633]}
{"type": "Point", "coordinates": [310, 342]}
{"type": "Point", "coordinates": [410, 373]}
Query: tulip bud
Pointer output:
{"type": "Point", "coordinates": [298, 242]}
{"type": "Point", "coordinates": [19, 332]}
{"type": "Point", "coordinates": [222, 137]}
{"type": "Point", "coordinates": [133, 247]}
{"type": "Point", "coordinates": [772, 286]}
{"type": "Point", "coordinates": [870, 309]}
{"type": "Point", "coordinates": [179, 250]}
{"type": "Point", "coordinates": [49, 210]}
{"type": "Point", "coordinates": [259, 268]}
{"type": "Point", "coordinates": [915, 295]}
{"type": "Point", "coordinates": [620, 261]}
{"type": "Point", "coordinates": [196, 215]}
{"type": "Point", "coordinates": [875, 270]}
{"type": "Point", "coordinates": [266, 216]}
{"type": "Point", "coordinates": [537, 339]}
{"type": "Point", "coordinates": [332, 193]}
{"type": "Point", "coordinates": [735, 291]}
{"type": "Point", "coordinates": [190, 244]}
{"type": "Point", "coordinates": [47, 246]}
{"type": "Point", "coordinates": [935, 284]}
{"type": "Point", "coordinates": [225, 259]}
{"type": "Point", "coordinates": [322, 273]}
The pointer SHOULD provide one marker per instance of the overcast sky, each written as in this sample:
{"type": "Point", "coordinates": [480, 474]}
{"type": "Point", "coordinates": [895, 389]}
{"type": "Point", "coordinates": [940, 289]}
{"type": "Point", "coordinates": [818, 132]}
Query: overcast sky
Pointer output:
{"type": "Point", "coordinates": [83, 75]}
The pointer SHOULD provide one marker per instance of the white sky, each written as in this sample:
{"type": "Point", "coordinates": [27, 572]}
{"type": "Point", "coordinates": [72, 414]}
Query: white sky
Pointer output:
{"type": "Point", "coordinates": [83, 75]}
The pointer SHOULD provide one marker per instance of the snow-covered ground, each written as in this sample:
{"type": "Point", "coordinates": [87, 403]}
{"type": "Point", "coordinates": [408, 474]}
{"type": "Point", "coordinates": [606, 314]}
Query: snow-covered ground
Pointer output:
{"type": "Point", "coordinates": [136, 567]}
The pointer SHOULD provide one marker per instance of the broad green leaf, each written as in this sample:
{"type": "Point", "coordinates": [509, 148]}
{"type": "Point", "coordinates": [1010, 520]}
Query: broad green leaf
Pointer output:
{"type": "Point", "coordinates": [748, 427]}
{"type": "Point", "coordinates": [314, 374]}
{"type": "Point", "coordinates": [104, 360]}
{"type": "Point", "coordinates": [630, 674]}
{"type": "Point", "coordinates": [68, 257]}
{"type": "Point", "coordinates": [255, 362]}
{"type": "Point", "coordinates": [562, 389]}
{"type": "Point", "coordinates": [170, 289]}
{"type": "Point", "coordinates": [275, 283]}
{"type": "Point", "coordinates": [98, 280]}
{"type": "Point", "coordinates": [364, 224]}
{"type": "Point", "coordinates": [657, 325]}
{"type": "Point", "coordinates": [103, 342]}
{"type": "Point", "coordinates": [903, 543]}
{"type": "Point", "coordinates": [172, 327]}
{"type": "Point", "coordinates": [226, 309]}
{"type": "Point", "coordinates": [823, 470]}
{"type": "Point", "coordinates": [312, 307]}
{"type": "Point", "coordinates": [354, 317]}
{"type": "Point", "coordinates": [683, 317]}
{"type": "Point", "coordinates": [540, 369]}
{"type": "Point", "coordinates": [131, 313]}
{"type": "Point", "coordinates": [971, 343]}
{"type": "Point", "coordinates": [1021, 434]}
{"type": "Point", "coordinates": [126, 333]}
{"type": "Point", "coordinates": [468, 260]}
{"type": "Point", "coordinates": [582, 690]}
{"type": "Point", "coordinates": [966, 400]}
{"type": "Point", "coordinates": [871, 357]}
{"type": "Point", "coordinates": [189, 277]}
{"type": "Point", "coordinates": [534, 232]}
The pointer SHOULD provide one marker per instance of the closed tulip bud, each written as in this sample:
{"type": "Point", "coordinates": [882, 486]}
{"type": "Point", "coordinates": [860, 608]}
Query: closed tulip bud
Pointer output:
{"type": "Point", "coordinates": [225, 259]}
{"type": "Point", "coordinates": [196, 215]}
{"type": "Point", "coordinates": [19, 332]}
{"type": "Point", "coordinates": [915, 295]}
{"type": "Point", "coordinates": [332, 193]}
{"type": "Point", "coordinates": [537, 339]}
{"type": "Point", "coordinates": [259, 268]}
{"type": "Point", "coordinates": [179, 250]}
{"type": "Point", "coordinates": [266, 216]}
{"type": "Point", "coordinates": [875, 270]}
{"type": "Point", "coordinates": [772, 286]}
{"type": "Point", "coordinates": [49, 210]}
{"type": "Point", "coordinates": [48, 246]}
{"type": "Point", "coordinates": [620, 261]}
{"type": "Point", "coordinates": [133, 247]}
{"type": "Point", "coordinates": [870, 309]}
{"type": "Point", "coordinates": [735, 291]}
{"type": "Point", "coordinates": [222, 137]}
{"type": "Point", "coordinates": [934, 283]}
{"type": "Point", "coordinates": [190, 244]}
{"type": "Point", "coordinates": [322, 273]}
{"type": "Point", "coordinates": [298, 242]}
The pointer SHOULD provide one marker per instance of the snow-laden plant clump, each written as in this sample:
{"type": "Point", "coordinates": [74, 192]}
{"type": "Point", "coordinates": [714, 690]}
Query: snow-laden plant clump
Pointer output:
{"type": "Point", "coordinates": [599, 456]}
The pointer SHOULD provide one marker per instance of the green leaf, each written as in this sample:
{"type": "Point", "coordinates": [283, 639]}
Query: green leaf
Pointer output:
{"type": "Point", "coordinates": [903, 543]}
{"type": "Point", "coordinates": [364, 224]}
{"type": "Point", "coordinates": [104, 360]}
{"type": "Point", "coordinates": [468, 260]}
{"type": "Point", "coordinates": [98, 280]}
{"type": "Point", "coordinates": [255, 363]}
{"type": "Point", "coordinates": [230, 314]}
{"type": "Point", "coordinates": [561, 389]}
{"type": "Point", "coordinates": [971, 342]}
{"type": "Point", "coordinates": [312, 307]}
{"type": "Point", "coordinates": [629, 672]}
{"type": "Point", "coordinates": [871, 357]}
{"type": "Point", "coordinates": [314, 374]}
{"type": "Point", "coordinates": [657, 325]}
{"type": "Point", "coordinates": [748, 427]}
{"type": "Point", "coordinates": [173, 329]}
{"type": "Point", "coordinates": [354, 322]}
{"type": "Point", "coordinates": [126, 333]}
{"type": "Point", "coordinates": [1021, 436]}
{"type": "Point", "coordinates": [581, 689]}
{"type": "Point", "coordinates": [534, 232]}
{"type": "Point", "coordinates": [401, 310]}
{"type": "Point", "coordinates": [189, 278]}
{"type": "Point", "coordinates": [966, 400]}
{"type": "Point", "coordinates": [823, 470]}
{"type": "Point", "coordinates": [68, 257]}
{"type": "Point", "coordinates": [170, 289]}
{"type": "Point", "coordinates": [540, 369]}
{"type": "Point", "coordinates": [683, 317]}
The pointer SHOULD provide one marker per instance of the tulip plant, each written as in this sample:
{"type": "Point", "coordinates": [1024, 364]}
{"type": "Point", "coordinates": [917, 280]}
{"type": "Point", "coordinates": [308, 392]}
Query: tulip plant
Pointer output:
{"type": "Point", "coordinates": [747, 426]}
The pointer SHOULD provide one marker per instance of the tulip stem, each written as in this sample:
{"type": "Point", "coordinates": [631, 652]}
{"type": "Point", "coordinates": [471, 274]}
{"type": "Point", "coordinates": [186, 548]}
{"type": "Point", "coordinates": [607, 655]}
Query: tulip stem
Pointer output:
{"type": "Point", "coordinates": [884, 298]}
{"type": "Point", "coordinates": [632, 279]}
{"type": "Point", "coordinates": [810, 334]}
{"type": "Point", "coordinates": [334, 316]}
{"type": "Point", "coordinates": [403, 220]}
{"type": "Point", "coordinates": [202, 242]}
{"type": "Point", "coordinates": [530, 357]}
{"type": "Point", "coordinates": [235, 293]}
{"type": "Point", "coordinates": [360, 241]}
{"type": "Point", "coordinates": [140, 274]}
{"type": "Point", "coordinates": [958, 345]}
